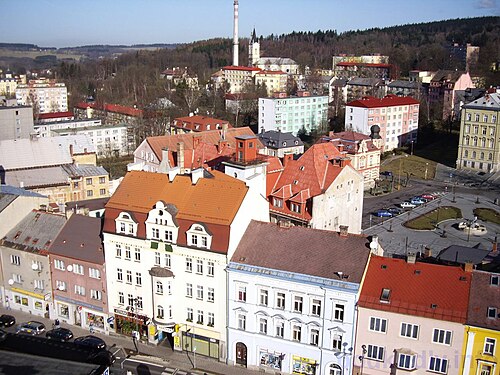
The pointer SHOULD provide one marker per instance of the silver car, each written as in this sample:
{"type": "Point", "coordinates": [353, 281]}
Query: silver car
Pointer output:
{"type": "Point", "coordinates": [31, 328]}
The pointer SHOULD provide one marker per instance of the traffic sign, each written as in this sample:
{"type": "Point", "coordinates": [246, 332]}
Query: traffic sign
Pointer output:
{"type": "Point", "coordinates": [111, 319]}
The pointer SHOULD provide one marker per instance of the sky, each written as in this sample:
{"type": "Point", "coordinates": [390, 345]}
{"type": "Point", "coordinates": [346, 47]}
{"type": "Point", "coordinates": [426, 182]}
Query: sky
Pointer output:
{"type": "Point", "coordinates": [65, 23]}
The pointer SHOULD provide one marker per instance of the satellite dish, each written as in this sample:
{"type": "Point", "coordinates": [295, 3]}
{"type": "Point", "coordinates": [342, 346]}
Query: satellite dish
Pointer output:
{"type": "Point", "coordinates": [70, 268]}
{"type": "Point", "coordinates": [373, 245]}
{"type": "Point", "coordinates": [11, 282]}
{"type": "Point", "coordinates": [34, 267]}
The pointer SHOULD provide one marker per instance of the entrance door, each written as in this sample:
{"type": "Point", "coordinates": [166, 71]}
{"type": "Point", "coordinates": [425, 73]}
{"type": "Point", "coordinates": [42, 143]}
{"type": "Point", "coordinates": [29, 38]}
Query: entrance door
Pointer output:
{"type": "Point", "coordinates": [241, 354]}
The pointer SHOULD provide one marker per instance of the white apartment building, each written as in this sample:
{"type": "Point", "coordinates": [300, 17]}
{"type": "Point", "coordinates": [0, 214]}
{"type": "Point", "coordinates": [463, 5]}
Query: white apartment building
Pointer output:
{"type": "Point", "coordinates": [237, 77]}
{"type": "Point", "coordinates": [16, 122]}
{"type": "Point", "coordinates": [293, 113]}
{"type": "Point", "coordinates": [45, 95]}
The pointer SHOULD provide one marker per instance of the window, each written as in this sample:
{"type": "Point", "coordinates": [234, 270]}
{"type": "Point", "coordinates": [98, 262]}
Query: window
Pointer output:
{"type": "Point", "coordinates": [263, 326]}
{"type": "Point", "coordinates": [486, 369]}
{"type": "Point", "coordinates": [378, 325]}
{"type": "Point", "coordinates": [138, 302]}
{"type": "Point", "coordinates": [200, 317]}
{"type": "Point", "coordinates": [338, 313]}
{"type": "Point", "coordinates": [60, 285]}
{"type": "Point", "coordinates": [438, 365]}
{"type": "Point", "coordinates": [280, 300]}
{"type": "Point", "coordinates": [189, 265]}
{"type": "Point", "coordinates": [137, 254]}
{"type": "Point", "coordinates": [264, 297]}
{"type": "Point", "coordinates": [375, 352]}
{"type": "Point", "coordinates": [90, 193]}
{"type": "Point", "coordinates": [211, 319]}
{"type": "Point", "coordinates": [80, 290]}
{"type": "Point", "coordinates": [15, 259]}
{"type": "Point", "coordinates": [155, 232]}
{"type": "Point", "coordinates": [159, 287]}
{"type": "Point", "coordinates": [59, 265]}
{"type": "Point", "coordinates": [38, 284]}
{"type": "Point", "coordinates": [88, 181]}
{"type": "Point", "coordinates": [280, 329]}
{"type": "Point", "coordinates": [94, 273]}
{"type": "Point", "coordinates": [409, 330]}
{"type": "Point", "coordinates": [102, 191]}
{"type": "Point", "coordinates": [189, 317]}
{"type": "Point", "coordinates": [211, 295]}
{"type": "Point", "coordinates": [157, 258]}
{"type": "Point", "coordinates": [168, 261]}
{"type": "Point", "coordinates": [242, 322]}
{"type": "Point", "coordinates": [189, 290]}
{"type": "Point", "coordinates": [119, 274]}
{"type": "Point", "coordinates": [297, 304]}
{"type": "Point", "coordinates": [492, 312]}
{"type": "Point", "coordinates": [160, 313]}
{"type": "Point", "coordinates": [384, 296]}
{"type": "Point", "coordinates": [314, 337]}
{"type": "Point", "coordinates": [316, 307]}
{"type": "Point", "coordinates": [121, 298]}
{"type": "Point", "coordinates": [78, 269]}
{"type": "Point", "coordinates": [242, 294]}
{"type": "Point", "coordinates": [138, 279]}
{"type": "Point", "coordinates": [337, 342]}
{"type": "Point", "coordinates": [210, 268]}
{"type": "Point", "coordinates": [102, 180]}
{"type": "Point", "coordinates": [194, 240]}
{"type": "Point", "coordinates": [204, 241]}
{"type": "Point", "coordinates": [127, 252]}
{"type": "Point", "coordinates": [295, 207]}
{"type": "Point", "coordinates": [495, 280]}
{"type": "Point", "coordinates": [296, 333]}
{"type": "Point", "coordinates": [119, 249]}
{"type": "Point", "coordinates": [406, 361]}
{"type": "Point", "coordinates": [95, 294]}
{"type": "Point", "coordinates": [129, 277]}
{"type": "Point", "coordinates": [199, 266]}
{"type": "Point", "coordinates": [489, 346]}
{"type": "Point", "coordinates": [168, 236]}
{"type": "Point", "coordinates": [199, 292]}
{"type": "Point", "coordinates": [441, 336]}
{"type": "Point", "coordinates": [277, 202]}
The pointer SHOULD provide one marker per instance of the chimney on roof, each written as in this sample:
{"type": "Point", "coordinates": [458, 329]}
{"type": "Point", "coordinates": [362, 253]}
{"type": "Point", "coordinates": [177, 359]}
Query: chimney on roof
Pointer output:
{"type": "Point", "coordinates": [411, 258]}
{"type": "Point", "coordinates": [287, 158]}
{"type": "Point", "coordinates": [343, 162]}
{"type": "Point", "coordinates": [344, 230]}
{"type": "Point", "coordinates": [196, 140]}
{"type": "Point", "coordinates": [340, 147]}
{"type": "Point", "coordinates": [196, 174]}
{"type": "Point", "coordinates": [71, 150]}
{"type": "Point", "coordinates": [246, 149]}
{"type": "Point", "coordinates": [468, 266]}
{"type": "Point", "coordinates": [374, 246]}
{"type": "Point", "coordinates": [180, 156]}
{"type": "Point", "coordinates": [427, 252]}
{"type": "Point", "coordinates": [163, 168]}
{"type": "Point", "coordinates": [224, 131]}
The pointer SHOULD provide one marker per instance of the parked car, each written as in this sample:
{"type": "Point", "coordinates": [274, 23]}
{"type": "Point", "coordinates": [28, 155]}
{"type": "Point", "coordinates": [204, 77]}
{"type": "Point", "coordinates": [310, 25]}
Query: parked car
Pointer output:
{"type": "Point", "coordinates": [92, 342]}
{"type": "Point", "coordinates": [428, 197]}
{"type": "Point", "coordinates": [382, 213]}
{"type": "Point", "coordinates": [31, 328]}
{"type": "Point", "coordinates": [7, 320]}
{"type": "Point", "coordinates": [417, 201]}
{"type": "Point", "coordinates": [395, 211]}
{"type": "Point", "coordinates": [59, 334]}
{"type": "Point", "coordinates": [386, 173]}
{"type": "Point", "coordinates": [407, 205]}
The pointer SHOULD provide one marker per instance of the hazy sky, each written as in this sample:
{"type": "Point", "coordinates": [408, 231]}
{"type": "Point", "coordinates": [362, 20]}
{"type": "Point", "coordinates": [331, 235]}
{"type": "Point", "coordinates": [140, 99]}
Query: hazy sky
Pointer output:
{"type": "Point", "coordinates": [66, 23]}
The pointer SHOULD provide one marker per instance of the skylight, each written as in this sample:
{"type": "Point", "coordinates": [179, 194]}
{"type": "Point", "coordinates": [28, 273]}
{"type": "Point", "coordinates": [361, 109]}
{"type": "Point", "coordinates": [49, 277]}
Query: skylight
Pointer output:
{"type": "Point", "coordinates": [384, 296]}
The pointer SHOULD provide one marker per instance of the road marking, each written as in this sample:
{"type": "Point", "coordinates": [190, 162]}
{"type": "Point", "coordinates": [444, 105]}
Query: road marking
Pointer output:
{"type": "Point", "coordinates": [145, 362]}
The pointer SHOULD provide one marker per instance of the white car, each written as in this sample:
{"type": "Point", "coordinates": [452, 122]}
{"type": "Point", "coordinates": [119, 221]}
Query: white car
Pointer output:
{"type": "Point", "coordinates": [407, 205]}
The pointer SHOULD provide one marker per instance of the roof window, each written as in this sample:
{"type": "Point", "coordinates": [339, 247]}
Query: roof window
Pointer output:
{"type": "Point", "coordinates": [384, 296]}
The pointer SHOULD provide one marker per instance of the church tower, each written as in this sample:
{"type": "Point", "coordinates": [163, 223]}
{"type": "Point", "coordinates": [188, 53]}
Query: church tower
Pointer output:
{"type": "Point", "coordinates": [253, 50]}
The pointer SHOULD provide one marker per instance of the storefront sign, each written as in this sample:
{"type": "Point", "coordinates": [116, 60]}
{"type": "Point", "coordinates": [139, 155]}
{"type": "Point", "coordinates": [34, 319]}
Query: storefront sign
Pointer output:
{"type": "Point", "coordinates": [302, 365]}
{"type": "Point", "coordinates": [270, 359]}
{"type": "Point", "coordinates": [121, 312]}
{"type": "Point", "coordinates": [164, 328]}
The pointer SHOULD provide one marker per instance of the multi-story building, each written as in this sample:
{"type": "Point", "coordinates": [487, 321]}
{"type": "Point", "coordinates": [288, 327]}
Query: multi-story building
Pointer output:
{"type": "Point", "coordinates": [479, 145]}
{"type": "Point", "coordinates": [363, 151]}
{"type": "Point", "coordinates": [25, 263]}
{"type": "Point", "coordinates": [45, 95]}
{"type": "Point", "coordinates": [320, 190]}
{"type": "Point", "coordinates": [357, 88]}
{"type": "Point", "coordinates": [280, 144]}
{"type": "Point", "coordinates": [482, 339]}
{"type": "Point", "coordinates": [49, 128]}
{"type": "Point", "coordinates": [284, 64]}
{"type": "Point", "coordinates": [411, 317]}
{"type": "Point", "coordinates": [43, 118]}
{"type": "Point", "coordinates": [293, 113]}
{"type": "Point", "coordinates": [195, 124]}
{"type": "Point", "coordinates": [78, 274]}
{"type": "Point", "coordinates": [353, 69]}
{"type": "Point", "coordinates": [16, 122]}
{"type": "Point", "coordinates": [238, 77]}
{"type": "Point", "coordinates": [275, 80]}
{"type": "Point", "coordinates": [167, 242]}
{"type": "Point", "coordinates": [397, 118]}
{"type": "Point", "coordinates": [292, 310]}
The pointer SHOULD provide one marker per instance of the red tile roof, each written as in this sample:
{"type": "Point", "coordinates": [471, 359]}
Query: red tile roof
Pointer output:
{"type": "Point", "coordinates": [116, 108]}
{"type": "Point", "coordinates": [190, 122]}
{"type": "Point", "coordinates": [482, 296]}
{"type": "Point", "coordinates": [271, 72]}
{"type": "Point", "coordinates": [46, 116]}
{"type": "Point", "coordinates": [421, 289]}
{"type": "Point", "coordinates": [388, 101]}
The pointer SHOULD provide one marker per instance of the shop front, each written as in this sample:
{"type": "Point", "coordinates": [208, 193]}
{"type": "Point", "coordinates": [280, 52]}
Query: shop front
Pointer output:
{"type": "Point", "coordinates": [27, 301]}
{"type": "Point", "coordinates": [127, 322]}
{"type": "Point", "coordinates": [302, 365]}
{"type": "Point", "coordinates": [270, 359]}
{"type": "Point", "coordinates": [203, 345]}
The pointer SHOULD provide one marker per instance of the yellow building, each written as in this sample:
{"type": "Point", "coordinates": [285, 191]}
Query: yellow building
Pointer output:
{"type": "Point", "coordinates": [275, 80]}
{"type": "Point", "coordinates": [482, 331]}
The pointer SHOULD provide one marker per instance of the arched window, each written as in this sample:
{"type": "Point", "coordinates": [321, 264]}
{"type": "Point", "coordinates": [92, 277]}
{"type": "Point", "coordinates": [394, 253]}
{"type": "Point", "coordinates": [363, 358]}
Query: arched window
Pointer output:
{"type": "Point", "coordinates": [483, 142]}
{"type": "Point", "coordinates": [467, 140]}
{"type": "Point", "coordinates": [490, 156]}
{"type": "Point", "coordinates": [473, 154]}
{"type": "Point", "coordinates": [159, 287]}
{"type": "Point", "coordinates": [475, 141]}
{"type": "Point", "coordinates": [161, 312]}
{"type": "Point", "coordinates": [482, 156]}
{"type": "Point", "coordinates": [466, 153]}
{"type": "Point", "coordinates": [334, 370]}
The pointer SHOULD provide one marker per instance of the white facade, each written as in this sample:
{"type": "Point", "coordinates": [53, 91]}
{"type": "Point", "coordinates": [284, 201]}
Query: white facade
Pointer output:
{"type": "Point", "coordinates": [44, 95]}
{"type": "Point", "coordinates": [237, 77]}
{"type": "Point", "coordinates": [45, 129]}
{"type": "Point", "coordinates": [291, 114]}
{"type": "Point", "coordinates": [341, 204]}
{"type": "Point", "coordinates": [290, 323]}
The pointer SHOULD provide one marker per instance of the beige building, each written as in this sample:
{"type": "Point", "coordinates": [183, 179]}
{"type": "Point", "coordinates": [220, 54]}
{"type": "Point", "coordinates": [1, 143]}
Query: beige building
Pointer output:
{"type": "Point", "coordinates": [45, 95]}
{"type": "Point", "coordinates": [275, 80]}
{"type": "Point", "coordinates": [237, 77]}
{"type": "Point", "coordinates": [479, 145]}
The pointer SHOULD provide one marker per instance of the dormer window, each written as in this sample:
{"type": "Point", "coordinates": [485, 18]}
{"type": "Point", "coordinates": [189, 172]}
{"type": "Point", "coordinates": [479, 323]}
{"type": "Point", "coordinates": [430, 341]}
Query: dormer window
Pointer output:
{"type": "Point", "coordinates": [125, 224]}
{"type": "Point", "coordinates": [384, 296]}
{"type": "Point", "coordinates": [199, 236]}
{"type": "Point", "coordinates": [160, 224]}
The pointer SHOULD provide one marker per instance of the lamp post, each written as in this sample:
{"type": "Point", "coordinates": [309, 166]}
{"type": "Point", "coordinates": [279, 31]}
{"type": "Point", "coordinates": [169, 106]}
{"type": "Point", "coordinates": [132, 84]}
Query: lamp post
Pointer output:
{"type": "Point", "coordinates": [362, 357]}
{"type": "Point", "coordinates": [133, 309]}
{"type": "Point", "coordinates": [176, 333]}
{"type": "Point", "coordinates": [344, 353]}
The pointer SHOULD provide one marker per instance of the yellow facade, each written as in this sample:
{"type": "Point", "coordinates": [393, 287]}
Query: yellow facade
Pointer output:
{"type": "Point", "coordinates": [481, 351]}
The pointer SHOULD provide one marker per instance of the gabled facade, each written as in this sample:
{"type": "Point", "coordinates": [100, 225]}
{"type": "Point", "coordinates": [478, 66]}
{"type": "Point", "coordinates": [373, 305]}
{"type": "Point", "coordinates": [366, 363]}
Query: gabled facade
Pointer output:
{"type": "Point", "coordinates": [280, 144]}
{"type": "Point", "coordinates": [482, 337]}
{"type": "Point", "coordinates": [78, 274]}
{"type": "Point", "coordinates": [293, 310]}
{"type": "Point", "coordinates": [411, 318]}
{"type": "Point", "coordinates": [195, 124]}
{"type": "Point", "coordinates": [167, 243]}
{"type": "Point", "coordinates": [320, 190]}
{"type": "Point", "coordinates": [25, 263]}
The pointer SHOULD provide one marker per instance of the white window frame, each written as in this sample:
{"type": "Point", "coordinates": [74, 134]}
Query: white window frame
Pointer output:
{"type": "Point", "coordinates": [489, 346]}
{"type": "Point", "coordinates": [407, 361]}
{"type": "Point", "coordinates": [379, 324]}
{"type": "Point", "coordinates": [316, 307]}
{"type": "Point", "coordinates": [189, 290]}
{"type": "Point", "coordinates": [437, 366]}
{"type": "Point", "coordinates": [263, 297]}
{"type": "Point", "coordinates": [409, 330]}
{"type": "Point", "coordinates": [95, 294]}
{"type": "Point", "coordinates": [339, 312]}
{"type": "Point", "coordinates": [94, 273]}
{"type": "Point", "coordinates": [442, 336]}
{"type": "Point", "coordinates": [375, 352]}
{"type": "Point", "coordinates": [280, 300]}
{"type": "Point", "coordinates": [210, 268]}
{"type": "Point", "coordinates": [242, 293]}
{"type": "Point", "coordinates": [199, 292]}
{"type": "Point", "coordinates": [59, 264]}
{"type": "Point", "coordinates": [190, 314]}
{"type": "Point", "coordinates": [298, 304]}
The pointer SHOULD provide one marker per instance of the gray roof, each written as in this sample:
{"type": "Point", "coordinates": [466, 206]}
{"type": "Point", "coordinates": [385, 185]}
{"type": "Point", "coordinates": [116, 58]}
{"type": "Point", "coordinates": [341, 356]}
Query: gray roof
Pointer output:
{"type": "Point", "coordinates": [276, 60]}
{"type": "Point", "coordinates": [275, 139]}
{"type": "Point", "coordinates": [404, 84]}
{"type": "Point", "coordinates": [463, 254]}
{"type": "Point", "coordinates": [489, 101]}
{"type": "Point", "coordinates": [6, 200]}
{"type": "Point", "coordinates": [84, 170]}
{"type": "Point", "coordinates": [358, 81]}
{"type": "Point", "coordinates": [80, 239]}
{"type": "Point", "coordinates": [37, 177]}
{"type": "Point", "coordinates": [13, 190]}
{"type": "Point", "coordinates": [90, 204]}
{"type": "Point", "coordinates": [35, 232]}
{"type": "Point", "coordinates": [447, 75]}
{"type": "Point", "coordinates": [39, 152]}
{"type": "Point", "coordinates": [304, 251]}
{"type": "Point", "coordinates": [340, 82]}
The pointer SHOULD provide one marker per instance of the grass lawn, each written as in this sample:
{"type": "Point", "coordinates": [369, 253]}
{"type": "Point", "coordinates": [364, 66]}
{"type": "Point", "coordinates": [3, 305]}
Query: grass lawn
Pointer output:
{"type": "Point", "coordinates": [487, 214]}
{"type": "Point", "coordinates": [428, 221]}
{"type": "Point", "coordinates": [410, 165]}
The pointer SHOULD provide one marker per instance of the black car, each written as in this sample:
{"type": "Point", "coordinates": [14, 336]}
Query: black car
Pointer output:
{"type": "Point", "coordinates": [395, 211]}
{"type": "Point", "coordinates": [7, 320]}
{"type": "Point", "coordinates": [91, 342]}
{"type": "Point", "coordinates": [59, 334]}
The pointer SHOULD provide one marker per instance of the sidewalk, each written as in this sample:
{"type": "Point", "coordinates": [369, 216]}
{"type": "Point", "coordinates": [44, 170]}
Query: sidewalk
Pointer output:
{"type": "Point", "coordinates": [160, 354]}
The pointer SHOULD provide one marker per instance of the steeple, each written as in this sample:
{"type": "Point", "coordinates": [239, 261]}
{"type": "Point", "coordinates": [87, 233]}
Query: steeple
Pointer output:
{"type": "Point", "coordinates": [253, 49]}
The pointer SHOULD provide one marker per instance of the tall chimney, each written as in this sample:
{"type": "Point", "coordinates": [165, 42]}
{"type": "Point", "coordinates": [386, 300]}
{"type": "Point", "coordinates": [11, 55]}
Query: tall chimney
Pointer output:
{"type": "Point", "coordinates": [235, 35]}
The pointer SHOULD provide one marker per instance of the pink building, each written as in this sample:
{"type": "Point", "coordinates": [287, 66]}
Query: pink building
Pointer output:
{"type": "Point", "coordinates": [396, 117]}
{"type": "Point", "coordinates": [411, 318]}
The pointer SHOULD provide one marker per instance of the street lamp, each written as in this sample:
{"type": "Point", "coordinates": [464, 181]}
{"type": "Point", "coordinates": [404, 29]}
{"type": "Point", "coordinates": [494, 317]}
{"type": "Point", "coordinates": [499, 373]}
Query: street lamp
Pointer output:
{"type": "Point", "coordinates": [362, 357]}
{"type": "Point", "coordinates": [344, 353]}
{"type": "Point", "coordinates": [176, 333]}
{"type": "Point", "coordinates": [133, 309]}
